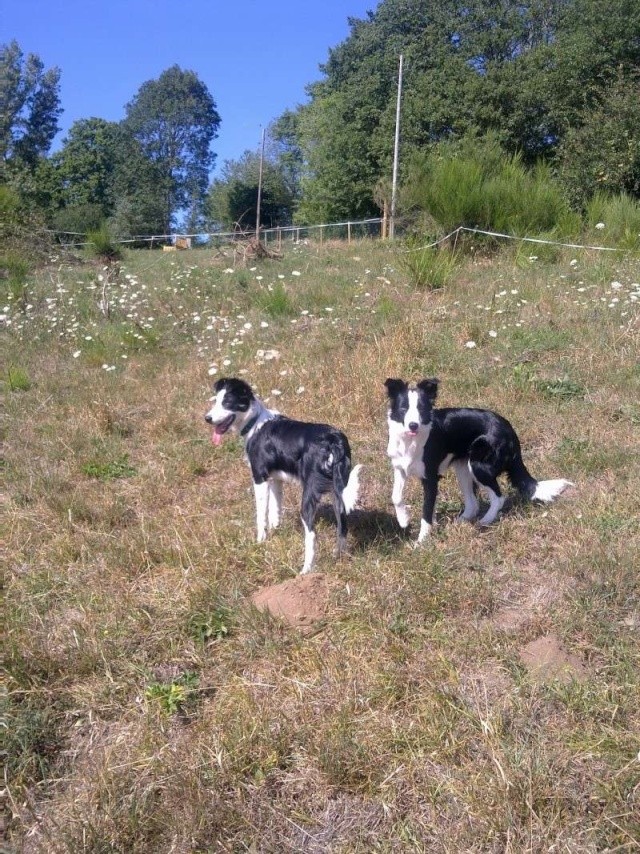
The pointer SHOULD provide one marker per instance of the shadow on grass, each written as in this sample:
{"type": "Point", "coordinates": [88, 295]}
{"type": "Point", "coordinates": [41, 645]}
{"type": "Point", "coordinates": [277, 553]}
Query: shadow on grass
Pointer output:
{"type": "Point", "coordinates": [368, 527]}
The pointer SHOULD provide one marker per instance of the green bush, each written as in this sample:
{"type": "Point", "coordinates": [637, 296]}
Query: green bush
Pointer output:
{"type": "Point", "coordinates": [101, 244]}
{"type": "Point", "coordinates": [474, 183]}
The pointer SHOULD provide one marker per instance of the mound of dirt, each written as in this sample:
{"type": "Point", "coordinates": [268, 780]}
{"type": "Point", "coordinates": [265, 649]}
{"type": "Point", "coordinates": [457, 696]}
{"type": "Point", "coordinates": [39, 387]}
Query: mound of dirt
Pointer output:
{"type": "Point", "coordinates": [302, 602]}
{"type": "Point", "coordinates": [546, 658]}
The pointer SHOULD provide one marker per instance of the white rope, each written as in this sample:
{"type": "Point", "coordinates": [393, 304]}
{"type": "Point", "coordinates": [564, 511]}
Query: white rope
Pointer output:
{"type": "Point", "coordinates": [514, 237]}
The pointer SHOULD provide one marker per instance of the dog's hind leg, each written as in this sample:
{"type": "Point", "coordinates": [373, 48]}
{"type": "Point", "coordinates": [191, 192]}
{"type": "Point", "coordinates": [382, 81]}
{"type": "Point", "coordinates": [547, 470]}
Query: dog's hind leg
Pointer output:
{"type": "Point", "coordinates": [341, 522]}
{"type": "Point", "coordinates": [275, 503]}
{"type": "Point", "coordinates": [485, 477]}
{"type": "Point", "coordinates": [466, 482]}
{"type": "Point", "coordinates": [402, 511]}
{"type": "Point", "coordinates": [261, 492]}
{"type": "Point", "coordinates": [308, 515]}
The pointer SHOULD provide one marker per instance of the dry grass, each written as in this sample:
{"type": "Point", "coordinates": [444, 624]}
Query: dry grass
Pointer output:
{"type": "Point", "coordinates": [151, 708]}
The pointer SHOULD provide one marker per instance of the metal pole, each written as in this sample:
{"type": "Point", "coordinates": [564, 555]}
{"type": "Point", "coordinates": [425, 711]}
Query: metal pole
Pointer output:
{"type": "Point", "coordinates": [394, 182]}
{"type": "Point", "coordinates": [259, 189]}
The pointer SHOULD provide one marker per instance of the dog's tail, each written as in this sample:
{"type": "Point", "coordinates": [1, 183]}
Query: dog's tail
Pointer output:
{"type": "Point", "coordinates": [529, 487]}
{"type": "Point", "coordinates": [351, 490]}
{"type": "Point", "coordinates": [346, 480]}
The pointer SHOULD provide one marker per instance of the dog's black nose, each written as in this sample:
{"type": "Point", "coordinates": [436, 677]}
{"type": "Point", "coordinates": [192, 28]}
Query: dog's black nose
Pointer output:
{"type": "Point", "coordinates": [413, 426]}
{"type": "Point", "coordinates": [208, 419]}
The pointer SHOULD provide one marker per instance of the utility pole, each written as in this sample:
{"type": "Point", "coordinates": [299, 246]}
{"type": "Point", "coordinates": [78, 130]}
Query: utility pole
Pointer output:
{"type": "Point", "coordinates": [259, 190]}
{"type": "Point", "coordinates": [394, 182]}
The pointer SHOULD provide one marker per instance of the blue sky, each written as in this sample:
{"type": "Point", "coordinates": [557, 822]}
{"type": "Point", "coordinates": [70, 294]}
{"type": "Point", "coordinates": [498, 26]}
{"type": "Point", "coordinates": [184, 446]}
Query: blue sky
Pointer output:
{"type": "Point", "coordinates": [254, 57]}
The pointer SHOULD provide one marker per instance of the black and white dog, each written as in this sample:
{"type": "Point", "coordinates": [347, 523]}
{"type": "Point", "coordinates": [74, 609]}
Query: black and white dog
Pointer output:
{"type": "Point", "coordinates": [279, 449]}
{"type": "Point", "coordinates": [478, 443]}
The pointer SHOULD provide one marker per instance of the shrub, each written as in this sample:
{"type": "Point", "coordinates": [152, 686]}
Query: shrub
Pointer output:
{"type": "Point", "coordinates": [474, 183]}
{"type": "Point", "coordinates": [101, 244]}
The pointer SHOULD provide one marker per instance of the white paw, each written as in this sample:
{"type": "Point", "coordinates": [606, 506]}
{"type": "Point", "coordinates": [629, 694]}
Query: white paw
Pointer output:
{"type": "Point", "coordinates": [402, 515]}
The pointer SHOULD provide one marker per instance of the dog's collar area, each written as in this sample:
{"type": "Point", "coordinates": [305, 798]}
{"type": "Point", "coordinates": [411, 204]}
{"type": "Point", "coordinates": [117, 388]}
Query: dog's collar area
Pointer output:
{"type": "Point", "coordinates": [249, 425]}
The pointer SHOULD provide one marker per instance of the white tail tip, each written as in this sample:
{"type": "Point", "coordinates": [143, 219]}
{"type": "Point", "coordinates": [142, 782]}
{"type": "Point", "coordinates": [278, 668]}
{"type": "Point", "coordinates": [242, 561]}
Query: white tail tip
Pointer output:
{"type": "Point", "coordinates": [547, 490]}
{"type": "Point", "coordinates": [351, 490]}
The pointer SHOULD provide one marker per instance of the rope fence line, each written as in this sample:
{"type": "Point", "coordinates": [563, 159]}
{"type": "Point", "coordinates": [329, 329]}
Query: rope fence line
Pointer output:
{"type": "Point", "coordinates": [462, 228]}
{"type": "Point", "coordinates": [299, 232]}
{"type": "Point", "coordinates": [276, 232]}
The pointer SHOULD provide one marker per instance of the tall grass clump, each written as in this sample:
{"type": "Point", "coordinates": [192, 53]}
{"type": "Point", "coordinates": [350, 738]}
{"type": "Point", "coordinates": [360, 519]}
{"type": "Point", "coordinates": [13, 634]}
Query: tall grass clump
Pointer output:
{"type": "Point", "coordinates": [475, 183]}
{"type": "Point", "coordinates": [100, 243]}
{"type": "Point", "coordinates": [615, 219]}
{"type": "Point", "coordinates": [428, 268]}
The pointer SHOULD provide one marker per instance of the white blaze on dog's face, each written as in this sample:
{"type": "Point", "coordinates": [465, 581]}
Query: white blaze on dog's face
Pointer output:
{"type": "Point", "coordinates": [231, 405]}
{"type": "Point", "coordinates": [410, 408]}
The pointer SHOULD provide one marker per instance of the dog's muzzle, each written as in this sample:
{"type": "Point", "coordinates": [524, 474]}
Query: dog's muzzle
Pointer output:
{"type": "Point", "coordinates": [220, 428]}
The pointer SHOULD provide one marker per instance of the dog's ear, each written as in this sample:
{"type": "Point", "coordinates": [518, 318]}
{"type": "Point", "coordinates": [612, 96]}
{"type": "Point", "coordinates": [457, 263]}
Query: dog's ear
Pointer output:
{"type": "Point", "coordinates": [219, 384]}
{"type": "Point", "coordinates": [430, 388]}
{"type": "Point", "coordinates": [394, 386]}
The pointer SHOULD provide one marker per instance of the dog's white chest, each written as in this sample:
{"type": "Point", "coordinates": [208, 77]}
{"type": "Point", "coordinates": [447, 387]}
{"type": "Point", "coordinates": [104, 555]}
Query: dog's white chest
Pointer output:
{"type": "Point", "coordinates": [406, 454]}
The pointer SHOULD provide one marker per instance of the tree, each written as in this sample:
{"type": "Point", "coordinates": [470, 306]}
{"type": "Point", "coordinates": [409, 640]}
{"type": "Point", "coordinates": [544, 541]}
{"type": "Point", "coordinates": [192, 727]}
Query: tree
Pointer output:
{"type": "Point", "coordinates": [602, 153]}
{"type": "Point", "coordinates": [233, 197]}
{"type": "Point", "coordinates": [102, 173]}
{"type": "Point", "coordinates": [29, 105]}
{"type": "Point", "coordinates": [175, 120]}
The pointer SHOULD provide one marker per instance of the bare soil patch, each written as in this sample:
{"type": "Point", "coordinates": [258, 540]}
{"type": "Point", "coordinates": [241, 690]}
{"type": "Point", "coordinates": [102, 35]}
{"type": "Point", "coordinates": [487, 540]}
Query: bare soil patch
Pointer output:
{"type": "Point", "coordinates": [546, 658]}
{"type": "Point", "coordinates": [302, 602]}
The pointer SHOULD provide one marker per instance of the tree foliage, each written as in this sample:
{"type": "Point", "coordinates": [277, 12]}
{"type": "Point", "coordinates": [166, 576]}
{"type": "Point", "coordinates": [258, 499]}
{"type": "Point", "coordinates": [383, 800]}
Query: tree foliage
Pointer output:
{"type": "Point", "coordinates": [29, 105]}
{"type": "Point", "coordinates": [175, 120]}
{"type": "Point", "coordinates": [233, 197]}
{"type": "Point", "coordinates": [102, 173]}
{"type": "Point", "coordinates": [536, 73]}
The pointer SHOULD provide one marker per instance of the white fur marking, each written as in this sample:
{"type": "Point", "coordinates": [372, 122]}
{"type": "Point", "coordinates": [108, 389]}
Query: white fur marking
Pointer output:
{"type": "Point", "coordinates": [261, 492]}
{"type": "Point", "coordinates": [425, 531]}
{"type": "Point", "coordinates": [465, 480]}
{"type": "Point", "coordinates": [496, 503]}
{"type": "Point", "coordinates": [275, 503]}
{"type": "Point", "coordinates": [402, 511]}
{"type": "Point", "coordinates": [547, 490]}
{"type": "Point", "coordinates": [309, 549]}
{"type": "Point", "coordinates": [351, 490]}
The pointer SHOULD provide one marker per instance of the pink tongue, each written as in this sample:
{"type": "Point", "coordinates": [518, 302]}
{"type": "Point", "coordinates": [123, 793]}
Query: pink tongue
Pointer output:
{"type": "Point", "coordinates": [216, 437]}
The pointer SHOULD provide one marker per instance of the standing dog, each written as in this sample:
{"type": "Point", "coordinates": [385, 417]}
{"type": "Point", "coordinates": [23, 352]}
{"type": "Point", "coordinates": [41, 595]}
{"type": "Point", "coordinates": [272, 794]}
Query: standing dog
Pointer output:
{"type": "Point", "coordinates": [478, 443]}
{"type": "Point", "coordinates": [279, 449]}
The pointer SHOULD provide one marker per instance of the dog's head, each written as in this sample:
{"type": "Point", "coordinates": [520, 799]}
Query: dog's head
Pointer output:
{"type": "Point", "coordinates": [232, 403]}
{"type": "Point", "coordinates": [410, 407]}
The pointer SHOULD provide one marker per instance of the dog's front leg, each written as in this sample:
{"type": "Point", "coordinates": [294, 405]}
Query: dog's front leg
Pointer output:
{"type": "Point", "coordinates": [427, 523]}
{"type": "Point", "coordinates": [275, 503]}
{"type": "Point", "coordinates": [402, 511]}
{"type": "Point", "coordinates": [261, 492]}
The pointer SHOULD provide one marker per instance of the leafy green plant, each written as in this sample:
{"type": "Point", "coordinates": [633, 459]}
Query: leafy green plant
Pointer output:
{"type": "Point", "coordinates": [110, 470]}
{"type": "Point", "coordinates": [207, 626]}
{"type": "Point", "coordinates": [172, 696]}
{"type": "Point", "coordinates": [277, 302]}
{"type": "Point", "coordinates": [563, 387]}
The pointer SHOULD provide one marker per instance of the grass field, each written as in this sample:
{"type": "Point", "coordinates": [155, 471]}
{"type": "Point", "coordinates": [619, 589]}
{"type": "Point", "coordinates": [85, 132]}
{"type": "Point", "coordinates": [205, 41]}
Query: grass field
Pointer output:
{"type": "Point", "coordinates": [151, 708]}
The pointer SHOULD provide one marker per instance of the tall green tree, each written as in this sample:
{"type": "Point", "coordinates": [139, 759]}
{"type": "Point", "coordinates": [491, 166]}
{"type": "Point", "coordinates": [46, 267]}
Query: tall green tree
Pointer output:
{"type": "Point", "coordinates": [175, 120]}
{"type": "Point", "coordinates": [102, 173]}
{"type": "Point", "coordinates": [29, 105]}
{"type": "Point", "coordinates": [233, 197]}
